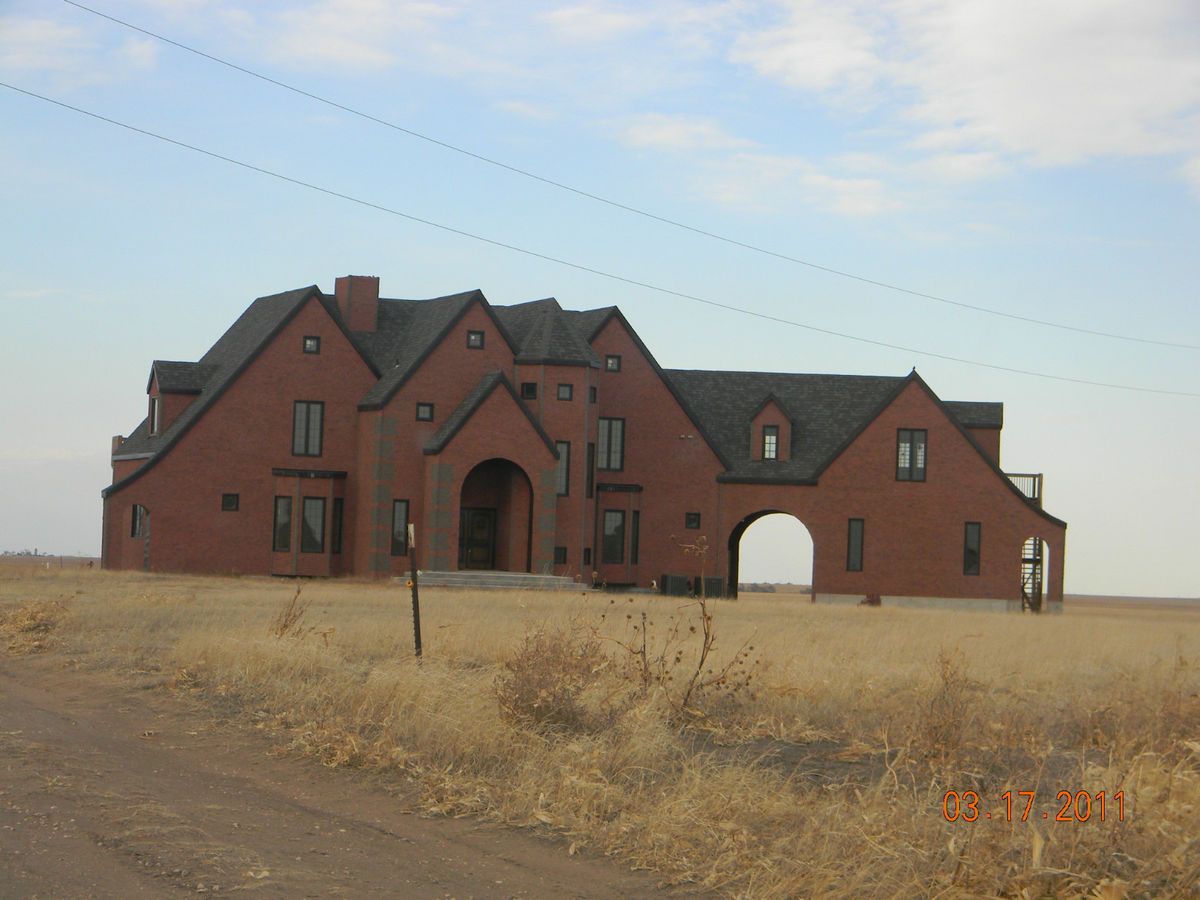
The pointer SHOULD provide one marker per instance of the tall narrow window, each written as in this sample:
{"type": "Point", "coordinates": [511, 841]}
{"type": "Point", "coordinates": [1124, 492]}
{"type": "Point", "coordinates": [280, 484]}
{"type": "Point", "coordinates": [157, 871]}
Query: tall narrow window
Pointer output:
{"type": "Point", "coordinates": [910, 454]}
{"type": "Point", "coordinates": [562, 474]}
{"type": "Point", "coordinates": [307, 425]}
{"type": "Point", "coordinates": [612, 548]}
{"type": "Point", "coordinates": [770, 445]}
{"type": "Point", "coordinates": [591, 470]}
{"type": "Point", "coordinates": [282, 529]}
{"type": "Point", "coordinates": [610, 447]}
{"type": "Point", "coordinates": [137, 526]}
{"type": "Point", "coordinates": [854, 546]}
{"type": "Point", "coordinates": [399, 528]}
{"type": "Point", "coordinates": [154, 415]}
{"type": "Point", "coordinates": [335, 525]}
{"type": "Point", "coordinates": [635, 529]}
{"type": "Point", "coordinates": [312, 526]}
{"type": "Point", "coordinates": [971, 545]}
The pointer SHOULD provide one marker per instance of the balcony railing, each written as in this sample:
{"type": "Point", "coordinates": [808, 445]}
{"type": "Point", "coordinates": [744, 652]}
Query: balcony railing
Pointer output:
{"type": "Point", "coordinates": [1028, 484]}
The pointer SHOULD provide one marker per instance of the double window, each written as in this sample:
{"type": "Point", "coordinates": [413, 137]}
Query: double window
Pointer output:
{"type": "Point", "coordinates": [562, 473]}
{"type": "Point", "coordinates": [770, 442]}
{"type": "Point", "coordinates": [854, 546]}
{"type": "Point", "coordinates": [610, 445]}
{"type": "Point", "coordinates": [972, 538]}
{"type": "Point", "coordinates": [308, 418]}
{"type": "Point", "coordinates": [910, 454]}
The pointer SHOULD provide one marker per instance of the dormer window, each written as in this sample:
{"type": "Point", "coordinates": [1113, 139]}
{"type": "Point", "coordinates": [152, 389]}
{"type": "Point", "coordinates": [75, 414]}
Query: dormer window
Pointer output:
{"type": "Point", "coordinates": [474, 340]}
{"type": "Point", "coordinates": [770, 442]}
{"type": "Point", "coordinates": [311, 344]}
{"type": "Point", "coordinates": [155, 415]}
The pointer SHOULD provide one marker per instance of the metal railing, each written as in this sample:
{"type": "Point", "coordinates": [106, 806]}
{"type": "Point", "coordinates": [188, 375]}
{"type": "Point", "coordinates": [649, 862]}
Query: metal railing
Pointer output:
{"type": "Point", "coordinates": [1028, 484]}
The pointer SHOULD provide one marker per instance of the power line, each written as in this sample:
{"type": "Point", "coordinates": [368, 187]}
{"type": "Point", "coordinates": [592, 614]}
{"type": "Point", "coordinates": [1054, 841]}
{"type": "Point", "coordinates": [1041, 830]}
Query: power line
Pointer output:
{"type": "Point", "coordinates": [584, 268]}
{"type": "Point", "coordinates": [674, 223]}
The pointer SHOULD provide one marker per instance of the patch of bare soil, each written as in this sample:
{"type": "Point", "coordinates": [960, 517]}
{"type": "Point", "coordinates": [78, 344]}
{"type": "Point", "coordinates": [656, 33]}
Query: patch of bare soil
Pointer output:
{"type": "Point", "coordinates": [111, 790]}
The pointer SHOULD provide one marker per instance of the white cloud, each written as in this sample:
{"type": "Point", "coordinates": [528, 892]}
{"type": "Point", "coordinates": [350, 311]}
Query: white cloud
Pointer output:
{"type": "Point", "coordinates": [593, 22]}
{"type": "Point", "coordinates": [1191, 173]}
{"type": "Point", "coordinates": [354, 34]}
{"type": "Point", "coordinates": [680, 133]}
{"type": "Point", "coordinates": [1051, 83]}
{"type": "Point", "coordinates": [40, 44]}
{"type": "Point", "coordinates": [764, 182]}
{"type": "Point", "coordinates": [140, 53]}
{"type": "Point", "coordinates": [524, 109]}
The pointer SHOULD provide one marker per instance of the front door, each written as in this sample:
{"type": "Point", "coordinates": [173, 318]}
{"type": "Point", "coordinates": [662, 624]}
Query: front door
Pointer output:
{"type": "Point", "coordinates": [477, 539]}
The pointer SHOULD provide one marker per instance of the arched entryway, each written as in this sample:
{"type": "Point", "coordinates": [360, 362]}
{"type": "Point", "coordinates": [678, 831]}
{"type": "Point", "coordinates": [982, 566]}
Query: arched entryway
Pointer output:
{"type": "Point", "coordinates": [495, 522]}
{"type": "Point", "coordinates": [770, 546]}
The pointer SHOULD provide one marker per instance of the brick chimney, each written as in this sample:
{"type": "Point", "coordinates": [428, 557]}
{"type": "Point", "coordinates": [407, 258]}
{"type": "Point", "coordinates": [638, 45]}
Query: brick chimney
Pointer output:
{"type": "Point", "coordinates": [358, 301]}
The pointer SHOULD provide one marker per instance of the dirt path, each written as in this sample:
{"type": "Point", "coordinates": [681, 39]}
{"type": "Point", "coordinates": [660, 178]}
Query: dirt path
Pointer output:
{"type": "Point", "coordinates": [111, 790]}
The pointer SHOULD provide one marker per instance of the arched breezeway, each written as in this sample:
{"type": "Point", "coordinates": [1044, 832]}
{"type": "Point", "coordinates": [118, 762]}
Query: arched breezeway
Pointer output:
{"type": "Point", "coordinates": [495, 521]}
{"type": "Point", "coordinates": [770, 546]}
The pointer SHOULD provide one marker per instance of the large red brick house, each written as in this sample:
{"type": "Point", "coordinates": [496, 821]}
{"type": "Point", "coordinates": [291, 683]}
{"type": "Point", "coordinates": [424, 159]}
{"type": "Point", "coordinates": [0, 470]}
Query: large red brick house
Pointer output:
{"type": "Point", "coordinates": [536, 439]}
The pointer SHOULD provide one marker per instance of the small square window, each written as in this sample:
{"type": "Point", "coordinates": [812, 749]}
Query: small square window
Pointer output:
{"type": "Point", "coordinates": [566, 391]}
{"type": "Point", "coordinates": [475, 340]}
{"type": "Point", "coordinates": [312, 344]}
{"type": "Point", "coordinates": [592, 394]}
{"type": "Point", "coordinates": [229, 502]}
{"type": "Point", "coordinates": [560, 556]}
{"type": "Point", "coordinates": [528, 390]}
{"type": "Point", "coordinates": [424, 412]}
{"type": "Point", "coordinates": [691, 520]}
{"type": "Point", "coordinates": [612, 363]}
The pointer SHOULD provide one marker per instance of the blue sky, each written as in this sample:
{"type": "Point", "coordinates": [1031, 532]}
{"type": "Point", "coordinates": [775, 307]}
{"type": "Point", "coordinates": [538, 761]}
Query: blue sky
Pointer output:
{"type": "Point", "coordinates": [1042, 159]}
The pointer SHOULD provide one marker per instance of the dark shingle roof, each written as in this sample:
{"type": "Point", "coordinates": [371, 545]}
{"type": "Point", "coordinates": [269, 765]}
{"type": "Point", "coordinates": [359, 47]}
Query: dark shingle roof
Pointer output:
{"type": "Point", "coordinates": [828, 411]}
{"type": "Point", "coordinates": [224, 361]}
{"type": "Point", "coordinates": [474, 399]}
{"type": "Point", "coordinates": [977, 414]}
{"type": "Point", "coordinates": [180, 377]}
{"type": "Point", "coordinates": [406, 331]}
{"type": "Point", "coordinates": [543, 333]}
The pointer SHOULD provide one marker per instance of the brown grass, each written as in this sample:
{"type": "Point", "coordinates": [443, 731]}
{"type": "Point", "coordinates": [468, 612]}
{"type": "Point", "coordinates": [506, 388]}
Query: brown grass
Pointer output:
{"type": "Point", "coordinates": [816, 767]}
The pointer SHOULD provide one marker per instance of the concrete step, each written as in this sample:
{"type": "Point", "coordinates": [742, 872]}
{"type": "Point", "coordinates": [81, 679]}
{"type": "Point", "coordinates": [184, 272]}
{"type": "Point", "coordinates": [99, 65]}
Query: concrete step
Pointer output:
{"type": "Point", "coordinates": [522, 581]}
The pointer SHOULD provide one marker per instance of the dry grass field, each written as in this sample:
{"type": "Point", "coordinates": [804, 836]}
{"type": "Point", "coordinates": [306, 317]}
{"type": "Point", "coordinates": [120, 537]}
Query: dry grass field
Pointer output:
{"type": "Point", "coordinates": [809, 754]}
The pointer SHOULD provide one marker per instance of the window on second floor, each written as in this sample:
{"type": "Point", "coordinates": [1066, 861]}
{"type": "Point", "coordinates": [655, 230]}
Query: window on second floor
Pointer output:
{"type": "Point", "coordinates": [562, 473]}
{"type": "Point", "coordinates": [154, 417]}
{"type": "Point", "coordinates": [311, 344]}
{"type": "Point", "coordinates": [610, 445]}
{"type": "Point", "coordinates": [307, 425]}
{"type": "Point", "coordinates": [230, 502]}
{"type": "Point", "coordinates": [424, 412]}
{"type": "Point", "coordinates": [528, 390]}
{"type": "Point", "coordinates": [474, 340]}
{"type": "Point", "coordinates": [770, 442]}
{"type": "Point", "coordinates": [910, 454]}
{"type": "Point", "coordinates": [566, 391]}
{"type": "Point", "coordinates": [612, 363]}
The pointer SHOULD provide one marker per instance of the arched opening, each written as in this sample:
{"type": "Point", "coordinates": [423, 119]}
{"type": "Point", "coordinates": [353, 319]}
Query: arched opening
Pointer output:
{"type": "Point", "coordinates": [1035, 573]}
{"type": "Point", "coordinates": [770, 547]}
{"type": "Point", "coordinates": [495, 519]}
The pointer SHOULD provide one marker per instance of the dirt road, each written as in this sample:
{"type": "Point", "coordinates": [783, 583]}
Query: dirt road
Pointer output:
{"type": "Point", "coordinates": [109, 789]}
